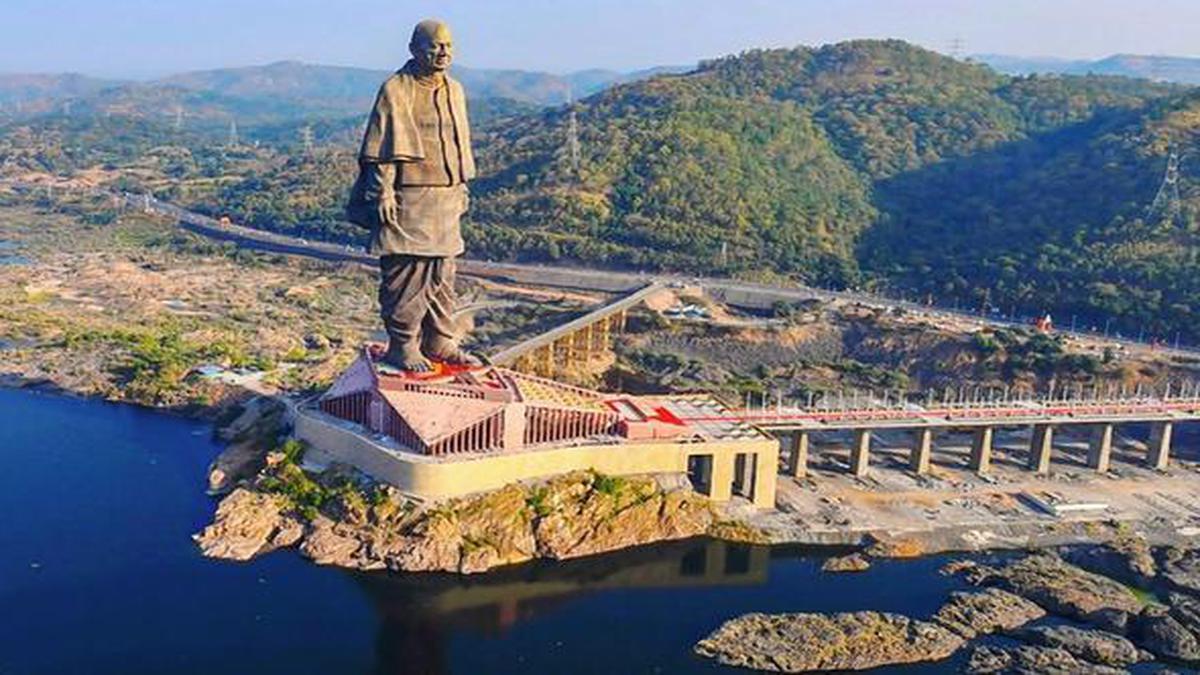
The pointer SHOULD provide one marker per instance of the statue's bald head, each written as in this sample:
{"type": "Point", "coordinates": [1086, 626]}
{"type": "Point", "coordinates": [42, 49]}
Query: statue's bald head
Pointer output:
{"type": "Point", "coordinates": [432, 45]}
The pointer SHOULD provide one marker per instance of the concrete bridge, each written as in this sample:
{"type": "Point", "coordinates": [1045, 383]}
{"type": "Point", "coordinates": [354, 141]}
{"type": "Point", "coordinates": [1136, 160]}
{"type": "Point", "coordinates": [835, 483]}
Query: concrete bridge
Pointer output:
{"type": "Point", "coordinates": [576, 342]}
{"type": "Point", "coordinates": [1101, 414]}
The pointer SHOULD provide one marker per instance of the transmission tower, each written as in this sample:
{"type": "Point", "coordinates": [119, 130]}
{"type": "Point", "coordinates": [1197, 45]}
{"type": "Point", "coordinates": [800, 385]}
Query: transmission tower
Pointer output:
{"type": "Point", "coordinates": [573, 133]}
{"type": "Point", "coordinates": [1167, 204]}
{"type": "Point", "coordinates": [958, 47]}
{"type": "Point", "coordinates": [178, 118]}
{"type": "Point", "coordinates": [306, 138]}
{"type": "Point", "coordinates": [233, 134]}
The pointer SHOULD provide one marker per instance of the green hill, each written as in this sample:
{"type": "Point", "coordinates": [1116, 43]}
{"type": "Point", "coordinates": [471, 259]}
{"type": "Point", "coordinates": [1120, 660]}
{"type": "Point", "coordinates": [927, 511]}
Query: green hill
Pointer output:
{"type": "Point", "coordinates": [870, 162]}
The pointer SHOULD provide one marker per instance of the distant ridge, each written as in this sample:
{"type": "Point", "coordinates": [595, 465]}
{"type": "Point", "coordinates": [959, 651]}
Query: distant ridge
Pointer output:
{"type": "Point", "coordinates": [288, 89]}
{"type": "Point", "coordinates": [1178, 69]}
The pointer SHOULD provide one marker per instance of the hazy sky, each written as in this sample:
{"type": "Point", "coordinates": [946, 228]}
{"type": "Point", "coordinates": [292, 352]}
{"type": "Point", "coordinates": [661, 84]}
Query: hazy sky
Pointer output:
{"type": "Point", "coordinates": [152, 37]}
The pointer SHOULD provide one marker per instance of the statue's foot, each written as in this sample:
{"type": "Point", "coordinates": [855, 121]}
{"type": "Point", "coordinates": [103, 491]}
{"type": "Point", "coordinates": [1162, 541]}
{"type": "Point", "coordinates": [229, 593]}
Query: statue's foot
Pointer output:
{"type": "Point", "coordinates": [454, 355]}
{"type": "Point", "coordinates": [407, 358]}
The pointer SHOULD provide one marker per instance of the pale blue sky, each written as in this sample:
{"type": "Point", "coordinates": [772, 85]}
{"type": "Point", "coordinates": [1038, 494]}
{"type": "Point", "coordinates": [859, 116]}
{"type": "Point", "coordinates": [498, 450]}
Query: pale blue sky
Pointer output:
{"type": "Point", "coordinates": [151, 37]}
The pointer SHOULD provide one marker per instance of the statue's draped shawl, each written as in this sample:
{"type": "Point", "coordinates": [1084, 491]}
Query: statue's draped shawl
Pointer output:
{"type": "Point", "coordinates": [392, 134]}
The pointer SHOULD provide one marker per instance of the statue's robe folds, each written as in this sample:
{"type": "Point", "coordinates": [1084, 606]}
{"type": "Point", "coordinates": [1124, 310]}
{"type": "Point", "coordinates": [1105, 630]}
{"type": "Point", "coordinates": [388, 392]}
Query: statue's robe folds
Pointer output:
{"type": "Point", "coordinates": [417, 152]}
{"type": "Point", "coordinates": [417, 149]}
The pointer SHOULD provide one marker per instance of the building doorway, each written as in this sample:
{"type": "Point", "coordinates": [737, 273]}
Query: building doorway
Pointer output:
{"type": "Point", "coordinates": [699, 472]}
{"type": "Point", "coordinates": [745, 469]}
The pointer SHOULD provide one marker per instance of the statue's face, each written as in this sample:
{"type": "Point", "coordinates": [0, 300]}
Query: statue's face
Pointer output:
{"type": "Point", "coordinates": [433, 49]}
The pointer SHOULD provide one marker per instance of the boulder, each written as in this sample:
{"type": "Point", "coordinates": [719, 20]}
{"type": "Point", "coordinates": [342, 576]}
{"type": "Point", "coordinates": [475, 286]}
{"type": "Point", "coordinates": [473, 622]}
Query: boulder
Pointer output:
{"type": "Point", "coordinates": [984, 612]}
{"type": "Point", "coordinates": [855, 562]}
{"type": "Point", "coordinates": [1159, 633]}
{"type": "Point", "coordinates": [326, 545]}
{"type": "Point", "coordinates": [1062, 588]}
{"type": "Point", "coordinates": [974, 573]}
{"type": "Point", "coordinates": [1181, 569]}
{"type": "Point", "coordinates": [249, 524]}
{"type": "Point", "coordinates": [582, 518]}
{"type": "Point", "coordinates": [251, 434]}
{"type": "Point", "coordinates": [897, 548]}
{"type": "Point", "coordinates": [1095, 646]}
{"type": "Point", "coordinates": [1186, 610]}
{"type": "Point", "coordinates": [434, 544]}
{"type": "Point", "coordinates": [1127, 559]}
{"type": "Point", "coordinates": [1025, 660]}
{"type": "Point", "coordinates": [798, 643]}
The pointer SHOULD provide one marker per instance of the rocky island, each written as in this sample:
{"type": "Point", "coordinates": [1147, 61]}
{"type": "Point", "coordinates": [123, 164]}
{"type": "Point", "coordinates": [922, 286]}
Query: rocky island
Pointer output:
{"type": "Point", "coordinates": [1054, 616]}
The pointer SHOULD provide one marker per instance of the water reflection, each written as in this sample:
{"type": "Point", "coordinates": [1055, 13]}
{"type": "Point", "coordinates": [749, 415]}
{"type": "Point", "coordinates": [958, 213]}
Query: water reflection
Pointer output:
{"type": "Point", "coordinates": [419, 613]}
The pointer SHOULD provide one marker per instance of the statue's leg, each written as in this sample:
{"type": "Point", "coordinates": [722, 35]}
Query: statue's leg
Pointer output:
{"type": "Point", "coordinates": [439, 331]}
{"type": "Point", "coordinates": [403, 303]}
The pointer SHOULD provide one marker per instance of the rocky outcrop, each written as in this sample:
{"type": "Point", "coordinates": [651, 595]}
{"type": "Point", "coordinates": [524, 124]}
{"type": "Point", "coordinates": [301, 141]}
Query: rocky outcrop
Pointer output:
{"type": "Point", "coordinates": [1094, 646]}
{"type": "Point", "coordinates": [566, 517]}
{"type": "Point", "coordinates": [251, 434]}
{"type": "Point", "coordinates": [1127, 559]}
{"type": "Point", "coordinates": [1180, 569]}
{"type": "Point", "coordinates": [855, 562]}
{"type": "Point", "coordinates": [797, 643]}
{"type": "Point", "coordinates": [1158, 632]}
{"type": "Point", "coordinates": [982, 613]}
{"type": "Point", "coordinates": [581, 520]}
{"type": "Point", "coordinates": [897, 548]}
{"type": "Point", "coordinates": [1025, 660]}
{"type": "Point", "coordinates": [1059, 587]}
{"type": "Point", "coordinates": [248, 524]}
{"type": "Point", "coordinates": [1186, 610]}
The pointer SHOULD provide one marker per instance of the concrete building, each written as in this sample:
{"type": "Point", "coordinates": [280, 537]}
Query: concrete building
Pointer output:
{"type": "Point", "coordinates": [459, 431]}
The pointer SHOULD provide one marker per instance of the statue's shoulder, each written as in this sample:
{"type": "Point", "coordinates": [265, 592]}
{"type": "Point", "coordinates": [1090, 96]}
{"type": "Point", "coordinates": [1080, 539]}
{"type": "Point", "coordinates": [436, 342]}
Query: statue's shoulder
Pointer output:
{"type": "Point", "coordinates": [399, 85]}
{"type": "Point", "coordinates": [456, 86]}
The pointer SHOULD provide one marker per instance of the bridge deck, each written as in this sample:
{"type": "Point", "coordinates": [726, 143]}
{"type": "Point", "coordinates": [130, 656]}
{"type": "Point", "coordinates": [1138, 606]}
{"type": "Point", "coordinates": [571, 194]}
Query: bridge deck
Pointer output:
{"type": "Point", "coordinates": [1052, 413]}
{"type": "Point", "coordinates": [510, 355]}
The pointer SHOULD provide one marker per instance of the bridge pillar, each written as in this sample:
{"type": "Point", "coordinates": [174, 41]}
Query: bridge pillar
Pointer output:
{"type": "Point", "coordinates": [1040, 447]}
{"type": "Point", "coordinates": [1160, 446]}
{"type": "Point", "coordinates": [721, 489]}
{"type": "Point", "coordinates": [922, 451]}
{"type": "Point", "coordinates": [766, 477]}
{"type": "Point", "coordinates": [1100, 448]}
{"type": "Point", "coordinates": [797, 464]}
{"type": "Point", "coordinates": [860, 453]}
{"type": "Point", "coordinates": [605, 331]}
{"type": "Point", "coordinates": [981, 450]}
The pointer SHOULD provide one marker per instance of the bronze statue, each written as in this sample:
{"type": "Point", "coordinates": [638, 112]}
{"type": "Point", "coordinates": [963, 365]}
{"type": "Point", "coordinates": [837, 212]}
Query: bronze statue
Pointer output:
{"type": "Point", "coordinates": [414, 165]}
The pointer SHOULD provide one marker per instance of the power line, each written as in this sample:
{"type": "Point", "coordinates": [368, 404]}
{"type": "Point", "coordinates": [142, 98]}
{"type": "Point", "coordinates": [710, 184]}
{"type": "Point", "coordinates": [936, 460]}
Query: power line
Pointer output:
{"type": "Point", "coordinates": [958, 47]}
{"type": "Point", "coordinates": [573, 133]}
{"type": "Point", "coordinates": [1167, 203]}
{"type": "Point", "coordinates": [306, 138]}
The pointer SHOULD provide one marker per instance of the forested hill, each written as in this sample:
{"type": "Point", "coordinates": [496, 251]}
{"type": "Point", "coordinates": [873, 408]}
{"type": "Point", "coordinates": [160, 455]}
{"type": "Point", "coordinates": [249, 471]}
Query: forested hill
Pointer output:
{"type": "Point", "coordinates": [863, 162]}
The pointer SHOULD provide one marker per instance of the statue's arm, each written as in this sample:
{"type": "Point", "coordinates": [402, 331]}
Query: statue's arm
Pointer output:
{"type": "Point", "coordinates": [381, 191]}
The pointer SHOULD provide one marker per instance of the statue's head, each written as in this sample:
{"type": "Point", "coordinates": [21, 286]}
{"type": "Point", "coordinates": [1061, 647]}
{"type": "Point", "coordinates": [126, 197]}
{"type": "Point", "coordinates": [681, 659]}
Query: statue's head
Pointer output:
{"type": "Point", "coordinates": [432, 46]}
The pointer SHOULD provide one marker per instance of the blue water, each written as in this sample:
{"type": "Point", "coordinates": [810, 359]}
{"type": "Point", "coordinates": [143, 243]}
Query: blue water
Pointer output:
{"type": "Point", "coordinates": [98, 574]}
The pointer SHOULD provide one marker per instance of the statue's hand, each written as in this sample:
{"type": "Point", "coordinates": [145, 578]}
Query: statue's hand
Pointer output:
{"type": "Point", "coordinates": [389, 210]}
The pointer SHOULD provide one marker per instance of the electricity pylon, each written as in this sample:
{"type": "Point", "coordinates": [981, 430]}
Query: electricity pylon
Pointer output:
{"type": "Point", "coordinates": [1167, 204]}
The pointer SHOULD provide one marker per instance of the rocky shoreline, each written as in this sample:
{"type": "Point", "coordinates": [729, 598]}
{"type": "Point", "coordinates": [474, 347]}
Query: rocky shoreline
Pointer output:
{"type": "Point", "coordinates": [1089, 609]}
{"type": "Point", "coordinates": [566, 517]}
